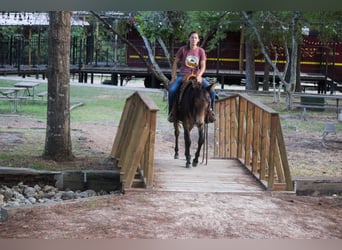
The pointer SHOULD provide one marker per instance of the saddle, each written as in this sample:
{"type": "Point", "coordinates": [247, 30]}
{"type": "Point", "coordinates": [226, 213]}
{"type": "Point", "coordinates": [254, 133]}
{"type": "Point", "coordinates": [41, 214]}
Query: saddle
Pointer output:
{"type": "Point", "coordinates": [187, 80]}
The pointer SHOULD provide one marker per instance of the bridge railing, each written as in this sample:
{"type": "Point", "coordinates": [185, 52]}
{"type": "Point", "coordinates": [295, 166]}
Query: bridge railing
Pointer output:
{"type": "Point", "coordinates": [250, 131]}
{"type": "Point", "coordinates": [133, 148]}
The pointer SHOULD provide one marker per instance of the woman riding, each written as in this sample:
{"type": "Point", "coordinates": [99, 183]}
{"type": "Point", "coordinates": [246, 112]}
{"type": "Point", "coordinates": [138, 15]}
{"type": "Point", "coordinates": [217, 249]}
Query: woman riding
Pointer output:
{"type": "Point", "coordinates": [192, 60]}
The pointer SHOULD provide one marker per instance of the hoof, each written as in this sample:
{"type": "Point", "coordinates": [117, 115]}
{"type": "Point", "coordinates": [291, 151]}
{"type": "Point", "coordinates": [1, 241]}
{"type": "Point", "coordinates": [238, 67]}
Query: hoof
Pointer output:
{"type": "Point", "coordinates": [176, 157]}
{"type": "Point", "coordinates": [188, 165]}
{"type": "Point", "coordinates": [194, 163]}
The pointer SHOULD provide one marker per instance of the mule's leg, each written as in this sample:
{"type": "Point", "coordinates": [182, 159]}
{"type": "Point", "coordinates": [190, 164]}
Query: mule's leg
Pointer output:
{"type": "Point", "coordinates": [176, 139]}
{"type": "Point", "coordinates": [199, 145]}
{"type": "Point", "coordinates": [187, 140]}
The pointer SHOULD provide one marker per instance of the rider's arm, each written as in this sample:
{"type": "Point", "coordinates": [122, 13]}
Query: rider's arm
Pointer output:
{"type": "Point", "coordinates": [201, 71]}
{"type": "Point", "coordinates": [202, 68]}
{"type": "Point", "coordinates": [174, 69]}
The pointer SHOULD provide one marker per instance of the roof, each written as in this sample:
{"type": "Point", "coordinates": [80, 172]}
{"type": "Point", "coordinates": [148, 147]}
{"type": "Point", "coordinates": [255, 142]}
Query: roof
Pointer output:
{"type": "Point", "coordinates": [33, 19]}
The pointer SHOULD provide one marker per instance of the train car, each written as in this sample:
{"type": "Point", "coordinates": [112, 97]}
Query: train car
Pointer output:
{"type": "Point", "coordinates": [320, 61]}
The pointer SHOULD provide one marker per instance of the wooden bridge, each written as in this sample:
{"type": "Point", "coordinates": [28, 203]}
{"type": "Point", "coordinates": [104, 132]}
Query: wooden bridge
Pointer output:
{"type": "Point", "coordinates": [249, 150]}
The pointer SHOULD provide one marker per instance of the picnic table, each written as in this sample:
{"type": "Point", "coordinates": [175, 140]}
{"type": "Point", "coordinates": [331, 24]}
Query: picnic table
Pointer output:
{"type": "Point", "coordinates": [28, 86]}
{"type": "Point", "coordinates": [11, 94]}
{"type": "Point", "coordinates": [318, 101]}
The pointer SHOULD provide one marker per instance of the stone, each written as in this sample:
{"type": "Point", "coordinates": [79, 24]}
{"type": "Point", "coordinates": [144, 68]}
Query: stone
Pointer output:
{"type": "Point", "coordinates": [30, 191]}
{"type": "Point", "coordinates": [23, 195]}
{"type": "Point", "coordinates": [32, 200]}
{"type": "Point", "coordinates": [68, 195]}
{"type": "Point", "coordinates": [2, 200]}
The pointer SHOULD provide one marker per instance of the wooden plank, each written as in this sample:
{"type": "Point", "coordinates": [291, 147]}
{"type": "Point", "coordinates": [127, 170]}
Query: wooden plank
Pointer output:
{"type": "Point", "coordinates": [222, 137]}
{"type": "Point", "coordinates": [122, 129]}
{"type": "Point", "coordinates": [264, 144]}
{"type": "Point", "coordinates": [256, 139]}
{"type": "Point", "coordinates": [285, 163]}
{"type": "Point", "coordinates": [279, 187]}
{"type": "Point", "coordinates": [133, 155]}
{"type": "Point", "coordinates": [217, 129]}
{"type": "Point", "coordinates": [234, 128]}
{"type": "Point", "coordinates": [249, 133]}
{"type": "Point", "coordinates": [220, 175]}
{"type": "Point", "coordinates": [227, 129]}
{"type": "Point", "coordinates": [149, 148]}
{"type": "Point", "coordinates": [241, 133]}
{"type": "Point", "coordinates": [273, 133]}
{"type": "Point", "coordinates": [278, 165]}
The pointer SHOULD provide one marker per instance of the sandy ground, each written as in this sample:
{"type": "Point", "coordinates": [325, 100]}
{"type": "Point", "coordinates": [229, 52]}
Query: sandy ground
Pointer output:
{"type": "Point", "coordinates": [150, 214]}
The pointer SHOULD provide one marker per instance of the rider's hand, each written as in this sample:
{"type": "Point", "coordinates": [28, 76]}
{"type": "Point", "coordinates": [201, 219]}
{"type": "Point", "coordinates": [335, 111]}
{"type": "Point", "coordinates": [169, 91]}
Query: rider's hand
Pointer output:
{"type": "Point", "coordinates": [173, 78]}
{"type": "Point", "coordinates": [199, 79]}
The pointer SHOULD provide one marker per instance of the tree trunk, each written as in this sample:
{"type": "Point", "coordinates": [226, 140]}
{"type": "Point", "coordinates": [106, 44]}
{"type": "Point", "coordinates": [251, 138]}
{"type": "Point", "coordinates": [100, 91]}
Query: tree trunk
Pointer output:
{"type": "Point", "coordinates": [157, 73]}
{"type": "Point", "coordinates": [290, 88]}
{"type": "Point", "coordinates": [266, 80]}
{"type": "Point", "coordinates": [58, 139]}
{"type": "Point", "coordinates": [250, 66]}
{"type": "Point", "coordinates": [298, 86]}
{"type": "Point", "coordinates": [241, 49]}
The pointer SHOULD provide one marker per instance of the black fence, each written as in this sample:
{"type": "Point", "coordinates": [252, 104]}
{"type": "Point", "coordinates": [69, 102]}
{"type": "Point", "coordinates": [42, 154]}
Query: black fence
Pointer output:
{"type": "Point", "coordinates": [17, 50]}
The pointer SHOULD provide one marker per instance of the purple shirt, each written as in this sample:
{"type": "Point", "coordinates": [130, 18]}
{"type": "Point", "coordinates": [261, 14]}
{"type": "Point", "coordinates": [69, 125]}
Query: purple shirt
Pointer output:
{"type": "Point", "coordinates": [190, 59]}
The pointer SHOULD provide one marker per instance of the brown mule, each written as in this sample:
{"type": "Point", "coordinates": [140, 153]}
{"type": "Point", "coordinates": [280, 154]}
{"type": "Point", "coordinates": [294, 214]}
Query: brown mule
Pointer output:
{"type": "Point", "coordinates": [191, 109]}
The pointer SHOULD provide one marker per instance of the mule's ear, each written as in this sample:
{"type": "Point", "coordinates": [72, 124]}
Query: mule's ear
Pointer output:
{"type": "Point", "coordinates": [211, 87]}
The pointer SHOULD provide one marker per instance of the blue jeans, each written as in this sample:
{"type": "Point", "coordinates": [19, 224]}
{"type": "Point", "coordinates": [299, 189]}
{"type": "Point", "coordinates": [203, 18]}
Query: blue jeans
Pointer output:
{"type": "Point", "coordinates": [174, 87]}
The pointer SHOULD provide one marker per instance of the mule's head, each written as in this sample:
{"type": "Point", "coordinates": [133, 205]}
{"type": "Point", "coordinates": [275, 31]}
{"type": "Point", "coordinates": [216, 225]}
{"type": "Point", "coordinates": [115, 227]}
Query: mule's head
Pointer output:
{"type": "Point", "coordinates": [199, 100]}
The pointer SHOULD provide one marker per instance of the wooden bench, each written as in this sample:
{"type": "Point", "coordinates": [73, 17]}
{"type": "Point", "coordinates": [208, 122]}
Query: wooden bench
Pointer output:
{"type": "Point", "coordinates": [7, 92]}
{"type": "Point", "coordinates": [13, 102]}
{"type": "Point", "coordinates": [42, 94]}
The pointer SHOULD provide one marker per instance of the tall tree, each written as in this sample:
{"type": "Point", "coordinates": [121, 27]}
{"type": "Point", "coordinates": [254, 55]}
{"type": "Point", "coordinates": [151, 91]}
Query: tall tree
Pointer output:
{"type": "Point", "coordinates": [250, 65]}
{"type": "Point", "coordinates": [172, 27]}
{"type": "Point", "coordinates": [58, 140]}
{"type": "Point", "coordinates": [293, 28]}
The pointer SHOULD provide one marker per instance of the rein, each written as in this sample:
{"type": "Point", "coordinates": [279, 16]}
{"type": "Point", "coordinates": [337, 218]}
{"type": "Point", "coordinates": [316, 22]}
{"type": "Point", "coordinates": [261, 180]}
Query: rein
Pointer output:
{"type": "Point", "coordinates": [205, 145]}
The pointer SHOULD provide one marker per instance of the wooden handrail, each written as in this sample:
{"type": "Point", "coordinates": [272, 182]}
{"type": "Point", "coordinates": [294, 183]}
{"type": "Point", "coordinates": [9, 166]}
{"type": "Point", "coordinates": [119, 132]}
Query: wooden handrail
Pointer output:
{"type": "Point", "coordinates": [250, 131]}
{"type": "Point", "coordinates": [133, 148]}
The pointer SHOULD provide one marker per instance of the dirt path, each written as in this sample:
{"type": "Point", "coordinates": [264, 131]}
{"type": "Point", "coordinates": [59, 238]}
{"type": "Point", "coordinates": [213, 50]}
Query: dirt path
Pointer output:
{"type": "Point", "coordinates": [172, 215]}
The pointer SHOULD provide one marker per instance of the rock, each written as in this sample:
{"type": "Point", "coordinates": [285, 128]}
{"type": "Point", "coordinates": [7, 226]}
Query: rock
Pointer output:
{"type": "Point", "coordinates": [12, 204]}
{"type": "Point", "coordinates": [32, 200]}
{"type": "Point", "coordinates": [68, 195]}
{"type": "Point", "coordinates": [37, 187]}
{"type": "Point", "coordinates": [2, 200]}
{"type": "Point", "coordinates": [48, 188]}
{"type": "Point", "coordinates": [21, 195]}
{"type": "Point", "coordinates": [18, 196]}
{"type": "Point", "coordinates": [8, 193]}
{"type": "Point", "coordinates": [30, 191]}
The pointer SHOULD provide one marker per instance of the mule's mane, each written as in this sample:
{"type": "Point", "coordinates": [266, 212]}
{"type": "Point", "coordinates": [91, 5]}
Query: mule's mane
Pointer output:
{"type": "Point", "coordinates": [187, 80]}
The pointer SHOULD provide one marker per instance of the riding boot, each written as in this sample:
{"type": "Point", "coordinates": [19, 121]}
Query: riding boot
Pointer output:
{"type": "Point", "coordinates": [170, 117]}
{"type": "Point", "coordinates": [210, 116]}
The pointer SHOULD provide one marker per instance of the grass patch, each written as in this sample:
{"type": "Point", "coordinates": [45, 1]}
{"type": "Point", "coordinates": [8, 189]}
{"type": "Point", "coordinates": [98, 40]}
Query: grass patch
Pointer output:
{"type": "Point", "coordinates": [101, 105]}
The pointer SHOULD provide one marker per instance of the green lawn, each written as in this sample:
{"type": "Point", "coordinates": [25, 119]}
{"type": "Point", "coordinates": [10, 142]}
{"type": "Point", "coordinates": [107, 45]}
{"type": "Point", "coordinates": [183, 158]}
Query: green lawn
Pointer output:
{"type": "Point", "coordinates": [100, 104]}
